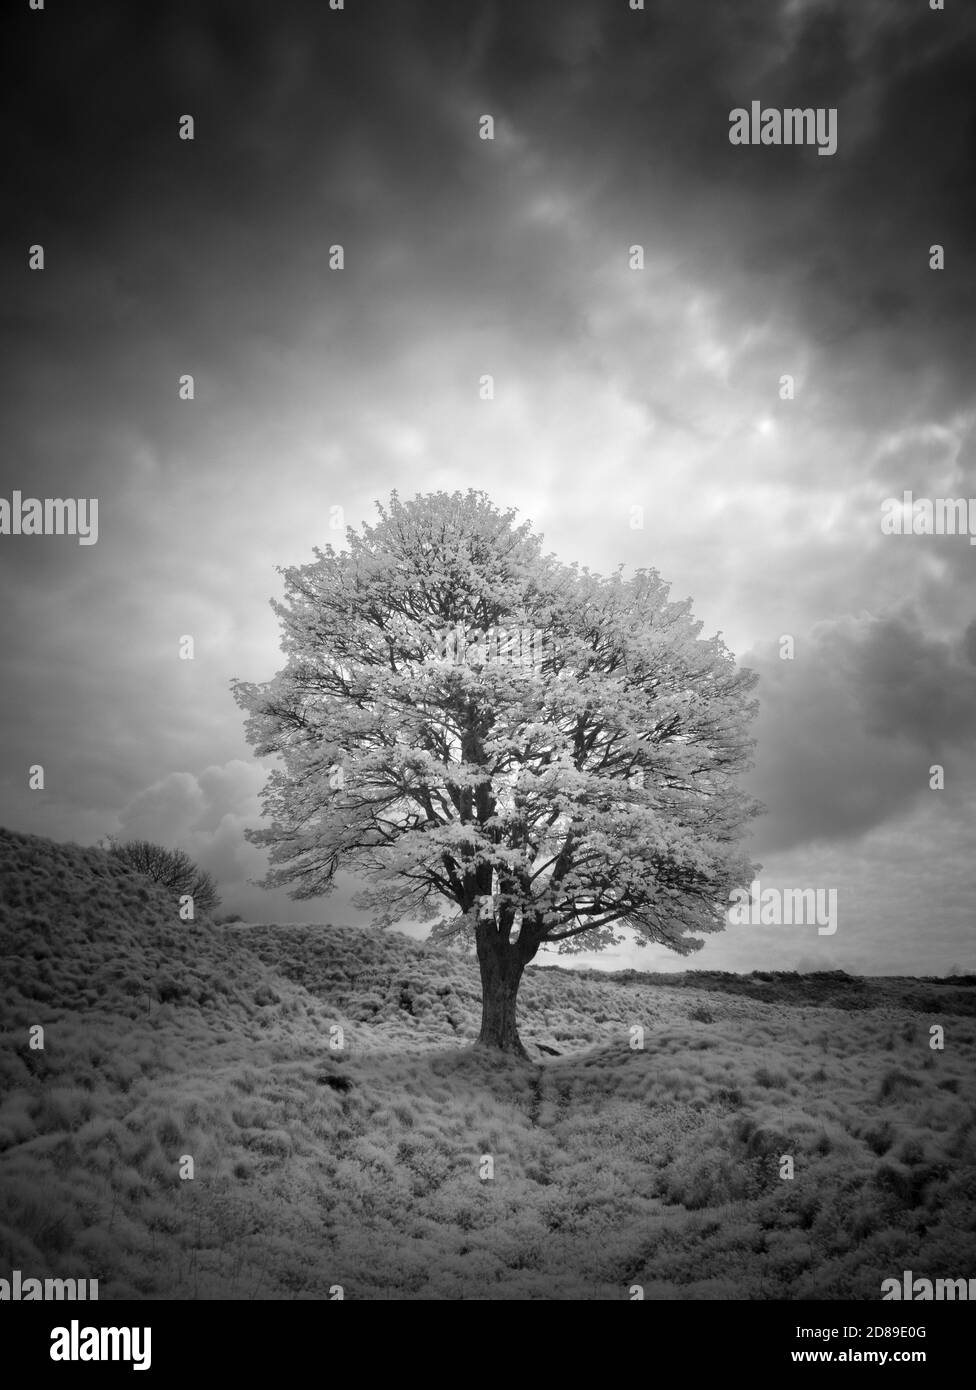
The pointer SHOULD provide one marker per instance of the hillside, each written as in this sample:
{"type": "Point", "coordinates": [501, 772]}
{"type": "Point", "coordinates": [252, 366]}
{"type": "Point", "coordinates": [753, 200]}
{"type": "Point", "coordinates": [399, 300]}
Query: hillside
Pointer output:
{"type": "Point", "coordinates": [360, 1167]}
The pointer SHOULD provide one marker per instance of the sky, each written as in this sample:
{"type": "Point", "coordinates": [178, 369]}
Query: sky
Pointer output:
{"type": "Point", "coordinates": [639, 417]}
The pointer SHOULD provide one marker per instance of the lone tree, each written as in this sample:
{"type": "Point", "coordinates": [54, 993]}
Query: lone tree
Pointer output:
{"type": "Point", "coordinates": [464, 720]}
{"type": "Point", "coordinates": [172, 868]}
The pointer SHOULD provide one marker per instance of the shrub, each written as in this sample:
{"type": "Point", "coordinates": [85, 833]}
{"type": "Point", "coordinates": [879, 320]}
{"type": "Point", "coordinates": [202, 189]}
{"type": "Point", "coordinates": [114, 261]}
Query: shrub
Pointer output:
{"type": "Point", "coordinates": [170, 868]}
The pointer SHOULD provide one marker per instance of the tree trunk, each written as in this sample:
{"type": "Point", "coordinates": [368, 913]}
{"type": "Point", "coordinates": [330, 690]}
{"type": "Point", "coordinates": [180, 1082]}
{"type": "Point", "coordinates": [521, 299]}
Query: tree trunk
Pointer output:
{"type": "Point", "coordinates": [501, 974]}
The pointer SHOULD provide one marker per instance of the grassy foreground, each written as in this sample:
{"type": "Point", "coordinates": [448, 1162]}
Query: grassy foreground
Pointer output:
{"type": "Point", "coordinates": [364, 1167]}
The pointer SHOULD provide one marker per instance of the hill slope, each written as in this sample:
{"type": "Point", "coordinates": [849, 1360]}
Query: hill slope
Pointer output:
{"type": "Point", "coordinates": [365, 1167]}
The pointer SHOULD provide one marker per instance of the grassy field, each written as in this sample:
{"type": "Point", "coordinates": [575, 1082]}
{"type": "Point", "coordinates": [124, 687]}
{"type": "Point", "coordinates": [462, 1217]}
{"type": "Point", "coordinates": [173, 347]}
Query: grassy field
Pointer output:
{"type": "Point", "coordinates": [363, 1167]}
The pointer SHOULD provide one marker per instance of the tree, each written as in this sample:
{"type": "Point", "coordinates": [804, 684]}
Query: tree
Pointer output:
{"type": "Point", "coordinates": [172, 868]}
{"type": "Point", "coordinates": [462, 720]}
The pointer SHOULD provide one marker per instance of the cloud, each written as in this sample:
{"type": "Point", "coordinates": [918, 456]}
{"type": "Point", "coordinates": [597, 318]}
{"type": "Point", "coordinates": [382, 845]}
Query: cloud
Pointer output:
{"type": "Point", "coordinates": [848, 730]}
{"type": "Point", "coordinates": [615, 388]}
{"type": "Point", "coordinates": [206, 815]}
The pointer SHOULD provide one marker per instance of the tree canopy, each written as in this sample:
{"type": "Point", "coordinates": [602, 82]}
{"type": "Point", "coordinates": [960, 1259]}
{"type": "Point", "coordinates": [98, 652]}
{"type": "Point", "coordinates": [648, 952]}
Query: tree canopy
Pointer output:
{"type": "Point", "coordinates": [466, 722]}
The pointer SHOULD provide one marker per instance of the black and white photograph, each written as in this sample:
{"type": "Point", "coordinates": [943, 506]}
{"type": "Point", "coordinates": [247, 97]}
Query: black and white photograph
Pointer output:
{"type": "Point", "coordinates": [488, 717]}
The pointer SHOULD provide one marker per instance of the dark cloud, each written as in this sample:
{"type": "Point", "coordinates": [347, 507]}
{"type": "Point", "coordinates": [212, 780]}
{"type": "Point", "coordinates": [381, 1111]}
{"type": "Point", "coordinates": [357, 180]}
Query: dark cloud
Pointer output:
{"type": "Point", "coordinates": [614, 389]}
{"type": "Point", "coordinates": [849, 728]}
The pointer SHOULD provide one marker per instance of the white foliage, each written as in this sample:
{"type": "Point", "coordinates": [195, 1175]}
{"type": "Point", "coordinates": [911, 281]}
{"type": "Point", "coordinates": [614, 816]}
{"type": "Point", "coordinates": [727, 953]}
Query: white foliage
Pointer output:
{"type": "Point", "coordinates": [500, 779]}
